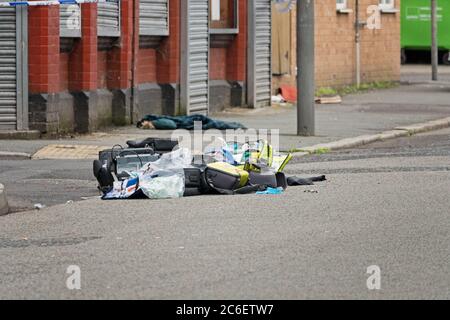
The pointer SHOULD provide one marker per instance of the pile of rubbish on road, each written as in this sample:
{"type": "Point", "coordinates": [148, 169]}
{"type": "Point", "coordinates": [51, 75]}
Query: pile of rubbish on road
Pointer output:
{"type": "Point", "coordinates": [159, 169]}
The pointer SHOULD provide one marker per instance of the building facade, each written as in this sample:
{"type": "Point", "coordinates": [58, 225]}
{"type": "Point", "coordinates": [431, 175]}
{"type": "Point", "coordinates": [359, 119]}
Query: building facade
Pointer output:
{"type": "Point", "coordinates": [92, 65]}
{"type": "Point", "coordinates": [335, 49]}
{"type": "Point", "coordinates": [77, 68]}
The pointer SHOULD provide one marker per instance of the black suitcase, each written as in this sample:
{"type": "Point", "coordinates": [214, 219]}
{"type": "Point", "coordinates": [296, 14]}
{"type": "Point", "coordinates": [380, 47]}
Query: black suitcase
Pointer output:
{"type": "Point", "coordinates": [108, 158]}
{"type": "Point", "coordinates": [159, 145]}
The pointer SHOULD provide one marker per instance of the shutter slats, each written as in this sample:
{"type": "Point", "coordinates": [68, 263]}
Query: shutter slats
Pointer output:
{"type": "Point", "coordinates": [262, 53]}
{"type": "Point", "coordinates": [154, 17]}
{"type": "Point", "coordinates": [70, 20]}
{"type": "Point", "coordinates": [8, 69]}
{"type": "Point", "coordinates": [108, 18]}
{"type": "Point", "coordinates": [198, 62]}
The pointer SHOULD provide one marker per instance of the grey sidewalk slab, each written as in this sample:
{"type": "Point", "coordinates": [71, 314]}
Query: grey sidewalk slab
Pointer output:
{"type": "Point", "coordinates": [421, 73]}
{"type": "Point", "coordinates": [359, 114]}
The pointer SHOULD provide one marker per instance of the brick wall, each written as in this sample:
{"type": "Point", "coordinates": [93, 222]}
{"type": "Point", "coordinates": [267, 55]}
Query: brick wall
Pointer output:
{"type": "Point", "coordinates": [64, 72]}
{"type": "Point", "coordinates": [83, 59]}
{"type": "Point", "coordinates": [237, 52]}
{"type": "Point", "coordinates": [102, 69]}
{"type": "Point", "coordinates": [81, 84]}
{"type": "Point", "coordinates": [146, 62]}
{"type": "Point", "coordinates": [43, 49]}
{"type": "Point", "coordinates": [168, 58]}
{"type": "Point", "coordinates": [218, 63]}
{"type": "Point", "coordinates": [335, 46]}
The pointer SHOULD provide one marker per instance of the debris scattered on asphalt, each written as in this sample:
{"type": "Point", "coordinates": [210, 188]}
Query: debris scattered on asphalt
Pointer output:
{"type": "Point", "coordinates": [311, 191]}
{"type": "Point", "coordinates": [228, 168]}
{"type": "Point", "coordinates": [271, 191]}
{"type": "Point", "coordinates": [329, 100]}
{"type": "Point", "coordinates": [39, 206]}
{"type": "Point", "coordinates": [278, 99]}
{"type": "Point", "coordinates": [69, 202]}
{"type": "Point", "coordinates": [289, 93]}
{"type": "Point", "coordinates": [89, 198]}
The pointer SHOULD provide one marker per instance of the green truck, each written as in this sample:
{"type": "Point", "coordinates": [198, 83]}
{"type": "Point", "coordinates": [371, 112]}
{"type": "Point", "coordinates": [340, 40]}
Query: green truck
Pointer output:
{"type": "Point", "coordinates": [416, 27]}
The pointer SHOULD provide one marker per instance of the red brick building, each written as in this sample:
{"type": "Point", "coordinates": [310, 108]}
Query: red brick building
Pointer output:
{"type": "Point", "coordinates": [335, 51]}
{"type": "Point", "coordinates": [94, 65]}
{"type": "Point", "coordinates": [81, 67]}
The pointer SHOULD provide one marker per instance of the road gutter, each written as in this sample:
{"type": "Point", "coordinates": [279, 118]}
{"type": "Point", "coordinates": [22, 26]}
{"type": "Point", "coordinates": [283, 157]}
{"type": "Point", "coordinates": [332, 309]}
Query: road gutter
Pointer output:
{"type": "Point", "coordinates": [6, 155]}
{"type": "Point", "coordinates": [402, 131]}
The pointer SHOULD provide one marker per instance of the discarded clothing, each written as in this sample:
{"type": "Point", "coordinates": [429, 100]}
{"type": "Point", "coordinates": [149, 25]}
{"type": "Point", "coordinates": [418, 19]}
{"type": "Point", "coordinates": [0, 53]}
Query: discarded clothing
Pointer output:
{"type": "Point", "coordinates": [187, 122]}
{"type": "Point", "coordinates": [296, 181]}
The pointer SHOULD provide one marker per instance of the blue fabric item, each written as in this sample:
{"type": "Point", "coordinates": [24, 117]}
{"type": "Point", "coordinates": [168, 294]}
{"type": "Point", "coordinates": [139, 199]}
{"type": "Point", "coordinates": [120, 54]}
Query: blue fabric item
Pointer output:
{"type": "Point", "coordinates": [187, 122]}
{"type": "Point", "coordinates": [271, 191]}
{"type": "Point", "coordinates": [164, 124]}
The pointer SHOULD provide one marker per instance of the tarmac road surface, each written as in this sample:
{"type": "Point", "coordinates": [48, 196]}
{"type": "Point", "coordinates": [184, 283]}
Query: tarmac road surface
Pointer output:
{"type": "Point", "coordinates": [384, 205]}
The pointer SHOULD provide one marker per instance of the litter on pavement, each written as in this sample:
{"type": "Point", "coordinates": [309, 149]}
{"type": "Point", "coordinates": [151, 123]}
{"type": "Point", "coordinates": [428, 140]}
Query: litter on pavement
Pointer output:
{"type": "Point", "coordinates": [329, 100]}
{"type": "Point", "coordinates": [39, 206]}
{"type": "Point", "coordinates": [157, 168]}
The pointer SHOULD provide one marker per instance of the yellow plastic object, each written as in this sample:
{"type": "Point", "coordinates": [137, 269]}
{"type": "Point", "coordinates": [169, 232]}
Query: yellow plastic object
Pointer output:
{"type": "Point", "coordinates": [231, 170]}
{"type": "Point", "coordinates": [280, 161]}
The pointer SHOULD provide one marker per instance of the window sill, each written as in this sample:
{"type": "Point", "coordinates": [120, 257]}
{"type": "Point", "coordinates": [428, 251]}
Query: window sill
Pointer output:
{"type": "Point", "coordinates": [224, 31]}
{"type": "Point", "coordinates": [344, 11]}
{"type": "Point", "coordinates": [391, 10]}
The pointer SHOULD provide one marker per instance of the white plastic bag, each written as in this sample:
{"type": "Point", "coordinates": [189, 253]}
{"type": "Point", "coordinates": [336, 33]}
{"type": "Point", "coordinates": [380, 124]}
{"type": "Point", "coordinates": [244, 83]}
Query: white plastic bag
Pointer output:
{"type": "Point", "coordinates": [163, 187]}
{"type": "Point", "coordinates": [164, 178]}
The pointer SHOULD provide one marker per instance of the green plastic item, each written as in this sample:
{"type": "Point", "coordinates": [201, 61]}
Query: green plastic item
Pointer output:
{"type": "Point", "coordinates": [416, 25]}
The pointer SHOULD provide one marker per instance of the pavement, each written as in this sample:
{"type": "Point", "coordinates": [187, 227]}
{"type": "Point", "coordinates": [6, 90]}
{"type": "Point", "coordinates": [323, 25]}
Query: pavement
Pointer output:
{"type": "Point", "coordinates": [384, 205]}
{"type": "Point", "coordinates": [359, 114]}
{"type": "Point", "coordinates": [421, 73]}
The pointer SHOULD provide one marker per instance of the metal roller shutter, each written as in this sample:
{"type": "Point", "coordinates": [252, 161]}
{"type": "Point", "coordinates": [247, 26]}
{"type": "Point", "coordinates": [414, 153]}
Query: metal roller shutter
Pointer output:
{"type": "Point", "coordinates": [8, 69]}
{"type": "Point", "coordinates": [70, 20]}
{"type": "Point", "coordinates": [108, 18]}
{"type": "Point", "coordinates": [154, 17]}
{"type": "Point", "coordinates": [195, 70]}
{"type": "Point", "coordinates": [260, 46]}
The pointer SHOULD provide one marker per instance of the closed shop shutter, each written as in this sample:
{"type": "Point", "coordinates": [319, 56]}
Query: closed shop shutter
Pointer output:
{"type": "Point", "coordinates": [154, 17]}
{"type": "Point", "coordinates": [70, 20]}
{"type": "Point", "coordinates": [260, 39]}
{"type": "Point", "coordinates": [195, 55]}
{"type": "Point", "coordinates": [8, 69]}
{"type": "Point", "coordinates": [108, 18]}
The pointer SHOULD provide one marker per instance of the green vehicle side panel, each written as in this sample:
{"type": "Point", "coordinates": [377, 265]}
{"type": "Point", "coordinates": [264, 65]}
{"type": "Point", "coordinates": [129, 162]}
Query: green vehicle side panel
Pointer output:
{"type": "Point", "coordinates": [416, 24]}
